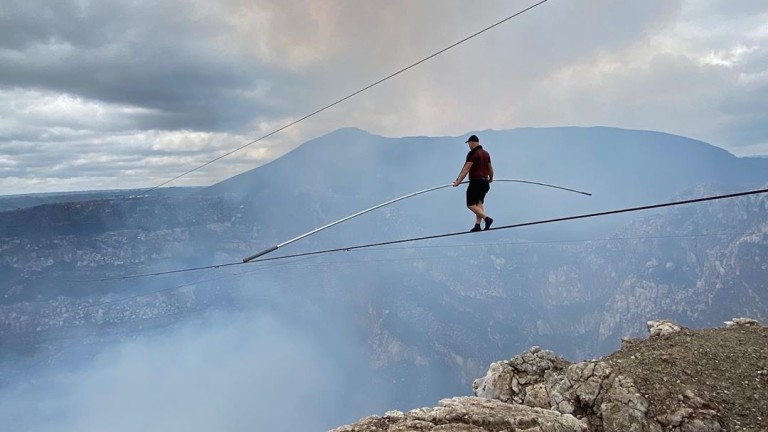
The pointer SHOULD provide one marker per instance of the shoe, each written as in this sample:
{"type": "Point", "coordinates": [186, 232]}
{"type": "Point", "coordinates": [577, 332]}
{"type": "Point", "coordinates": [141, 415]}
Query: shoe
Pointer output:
{"type": "Point", "coordinates": [476, 228]}
{"type": "Point", "coordinates": [488, 222]}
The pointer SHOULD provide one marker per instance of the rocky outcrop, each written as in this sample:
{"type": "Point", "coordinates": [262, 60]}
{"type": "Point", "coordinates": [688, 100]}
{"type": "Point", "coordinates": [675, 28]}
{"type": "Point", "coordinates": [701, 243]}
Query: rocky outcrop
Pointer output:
{"type": "Point", "coordinates": [677, 380]}
{"type": "Point", "coordinates": [595, 391]}
{"type": "Point", "coordinates": [470, 414]}
{"type": "Point", "coordinates": [741, 322]}
{"type": "Point", "coordinates": [663, 327]}
{"type": "Point", "coordinates": [604, 394]}
{"type": "Point", "coordinates": [589, 390]}
{"type": "Point", "coordinates": [522, 379]}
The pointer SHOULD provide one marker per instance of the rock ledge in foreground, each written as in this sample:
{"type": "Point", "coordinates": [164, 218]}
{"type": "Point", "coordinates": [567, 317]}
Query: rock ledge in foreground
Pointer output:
{"type": "Point", "coordinates": [678, 380]}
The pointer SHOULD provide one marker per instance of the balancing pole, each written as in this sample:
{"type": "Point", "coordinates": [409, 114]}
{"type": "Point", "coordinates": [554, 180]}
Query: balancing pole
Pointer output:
{"type": "Point", "coordinates": [314, 231]}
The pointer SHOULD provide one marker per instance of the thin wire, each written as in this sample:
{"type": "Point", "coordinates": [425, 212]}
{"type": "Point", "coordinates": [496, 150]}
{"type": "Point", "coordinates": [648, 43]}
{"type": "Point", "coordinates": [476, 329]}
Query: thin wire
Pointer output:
{"type": "Point", "coordinates": [146, 294]}
{"type": "Point", "coordinates": [348, 96]}
{"type": "Point", "coordinates": [299, 263]}
{"type": "Point", "coordinates": [176, 287]}
{"type": "Point", "coordinates": [524, 224]}
{"type": "Point", "coordinates": [415, 239]}
{"type": "Point", "coordinates": [159, 273]}
{"type": "Point", "coordinates": [601, 239]}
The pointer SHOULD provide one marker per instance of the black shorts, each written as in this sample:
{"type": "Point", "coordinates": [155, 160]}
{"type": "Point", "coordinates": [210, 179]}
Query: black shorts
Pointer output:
{"type": "Point", "coordinates": [476, 191]}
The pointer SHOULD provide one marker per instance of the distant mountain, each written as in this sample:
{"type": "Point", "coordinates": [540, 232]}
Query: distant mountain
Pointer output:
{"type": "Point", "coordinates": [348, 170]}
{"type": "Point", "coordinates": [22, 201]}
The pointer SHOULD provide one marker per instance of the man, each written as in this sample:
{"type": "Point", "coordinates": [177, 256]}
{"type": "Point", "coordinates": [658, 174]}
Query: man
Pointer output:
{"type": "Point", "coordinates": [480, 170]}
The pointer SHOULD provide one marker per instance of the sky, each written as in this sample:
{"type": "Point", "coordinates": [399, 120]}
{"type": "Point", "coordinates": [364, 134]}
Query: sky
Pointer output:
{"type": "Point", "coordinates": [126, 94]}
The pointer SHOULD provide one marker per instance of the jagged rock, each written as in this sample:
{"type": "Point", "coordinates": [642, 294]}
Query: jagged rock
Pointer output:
{"type": "Point", "coordinates": [697, 416]}
{"type": "Point", "coordinates": [520, 379]}
{"type": "Point", "coordinates": [590, 379]}
{"type": "Point", "coordinates": [470, 414]}
{"type": "Point", "coordinates": [537, 396]}
{"type": "Point", "coordinates": [689, 420]}
{"type": "Point", "coordinates": [607, 401]}
{"type": "Point", "coordinates": [741, 322]}
{"type": "Point", "coordinates": [663, 327]}
{"type": "Point", "coordinates": [624, 408]}
{"type": "Point", "coordinates": [675, 418]}
{"type": "Point", "coordinates": [588, 390]}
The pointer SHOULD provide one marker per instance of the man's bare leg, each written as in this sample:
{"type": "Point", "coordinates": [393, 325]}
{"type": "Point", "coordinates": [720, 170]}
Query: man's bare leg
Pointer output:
{"type": "Point", "coordinates": [480, 215]}
{"type": "Point", "coordinates": [482, 208]}
{"type": "Point", "coordinates": [479, 212]}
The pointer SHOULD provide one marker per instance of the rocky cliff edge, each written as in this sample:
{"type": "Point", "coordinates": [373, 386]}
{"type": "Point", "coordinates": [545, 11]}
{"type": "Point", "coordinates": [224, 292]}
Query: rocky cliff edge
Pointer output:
{"type": "Point", "coordinates": [678, 379]}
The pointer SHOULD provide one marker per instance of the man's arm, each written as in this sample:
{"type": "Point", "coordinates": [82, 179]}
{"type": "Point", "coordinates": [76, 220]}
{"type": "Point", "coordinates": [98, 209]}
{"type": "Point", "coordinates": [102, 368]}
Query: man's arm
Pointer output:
{"type": "Point", "coordinates": [464, 172]}
{"type": "Point", "coordinates": [490, 167]}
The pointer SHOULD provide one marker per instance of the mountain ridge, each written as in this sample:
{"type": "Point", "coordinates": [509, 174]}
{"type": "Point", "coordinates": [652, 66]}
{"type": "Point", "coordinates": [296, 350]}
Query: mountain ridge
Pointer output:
{"type": "Point", "coordinates": [348, 170]}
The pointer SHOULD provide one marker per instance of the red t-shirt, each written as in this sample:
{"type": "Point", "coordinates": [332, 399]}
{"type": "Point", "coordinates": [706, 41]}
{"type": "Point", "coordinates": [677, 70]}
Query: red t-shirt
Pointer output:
{"type": "Point", "coordinates": [481, 163]}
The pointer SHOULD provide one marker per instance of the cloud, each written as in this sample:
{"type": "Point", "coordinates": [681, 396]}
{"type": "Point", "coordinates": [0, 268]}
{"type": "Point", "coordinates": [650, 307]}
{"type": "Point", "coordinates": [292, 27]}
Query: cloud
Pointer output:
{"type": "Point", "coordinates": [162, 58]}
{"type": "Point", "coordinates": [699, 83]}
{"type": "Point", "coordinates": [221, 73]}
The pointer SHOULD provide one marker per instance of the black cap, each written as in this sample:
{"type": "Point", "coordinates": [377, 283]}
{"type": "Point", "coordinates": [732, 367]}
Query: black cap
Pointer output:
{"type": "Point", "coordinates": [473, 138]}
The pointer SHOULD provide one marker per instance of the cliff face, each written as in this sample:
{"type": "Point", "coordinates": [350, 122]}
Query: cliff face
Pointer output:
{"type": "Point", "coordinates": [697, 264]}
{"type": "Point", "coordinates": [677, 380]}
{"type": "Point", "coordinates": [60, 265]}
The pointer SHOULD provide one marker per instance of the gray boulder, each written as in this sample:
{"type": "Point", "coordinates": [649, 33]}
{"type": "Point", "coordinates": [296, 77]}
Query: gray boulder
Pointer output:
{"type": "Point", "coordinates": [470, 414]}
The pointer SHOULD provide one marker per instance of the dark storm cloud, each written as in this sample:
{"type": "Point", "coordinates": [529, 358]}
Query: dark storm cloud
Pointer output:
{"type": "Point", "coordinates": [162, 57]}
{"type": "Point", "coordinates": [27, 23]}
